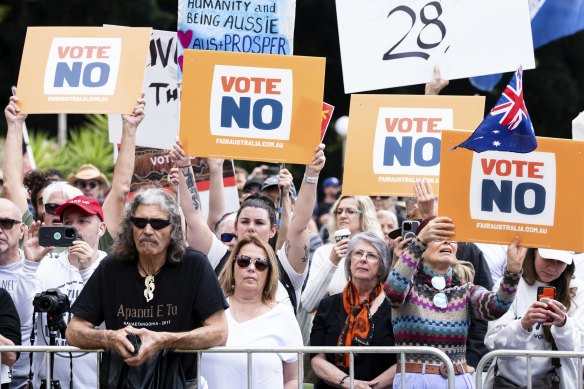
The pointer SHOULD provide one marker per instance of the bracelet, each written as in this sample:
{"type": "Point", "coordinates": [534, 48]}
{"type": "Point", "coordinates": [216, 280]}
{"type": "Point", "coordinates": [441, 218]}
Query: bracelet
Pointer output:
{"type": "Point", "coordinates": [342, 381]}
{"type": "Point", "coordinates": [182, 167]}
{"type": "Point", "coordinates": [311, 180]}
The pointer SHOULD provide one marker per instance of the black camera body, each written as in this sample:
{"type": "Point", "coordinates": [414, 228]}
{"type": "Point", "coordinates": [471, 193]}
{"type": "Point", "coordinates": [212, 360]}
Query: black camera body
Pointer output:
{"type": "Point", "coordinates": [51, 301]}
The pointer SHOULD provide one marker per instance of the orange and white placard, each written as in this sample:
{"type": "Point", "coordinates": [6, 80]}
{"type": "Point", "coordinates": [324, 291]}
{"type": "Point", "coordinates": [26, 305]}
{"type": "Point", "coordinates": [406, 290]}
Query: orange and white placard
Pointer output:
{"type": "Point", "coordinates": [394, 140]}
{"type": "Point", "coordinates": [494, 196]}
{"type": "Point", "coordinates": [257, 107]}
{"type": "Point", "coordinates": [82, 69]}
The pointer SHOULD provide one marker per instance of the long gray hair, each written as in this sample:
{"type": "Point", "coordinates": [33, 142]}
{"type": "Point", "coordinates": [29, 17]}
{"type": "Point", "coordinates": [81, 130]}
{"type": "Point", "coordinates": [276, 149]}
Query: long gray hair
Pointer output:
{"type": "Point", "coordinates": [124, 246]}
{"type": "Point", "coordinates": [379, 245]}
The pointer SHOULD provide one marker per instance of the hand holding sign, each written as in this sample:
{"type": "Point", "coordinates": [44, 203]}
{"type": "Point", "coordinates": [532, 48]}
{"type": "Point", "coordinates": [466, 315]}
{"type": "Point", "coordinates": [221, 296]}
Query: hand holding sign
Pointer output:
{"type": "Point", "coordinates": [137, 115]}
{"type": "Point", "coordinates": [440, 228]}
{"type": "Point", "coordinates": [515, 256]}
{"type": "Point", "coordinates": [318, 161]}
{"type": "Point", "coordinates": [12, 112]}
{"type": "Point", "coordinates": [435, 86]}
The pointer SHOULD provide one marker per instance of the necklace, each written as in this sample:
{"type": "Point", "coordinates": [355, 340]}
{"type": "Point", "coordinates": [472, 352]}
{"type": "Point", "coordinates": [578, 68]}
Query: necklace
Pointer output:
{"type": "Point", "coordinates": [148, 283]}
{"type": "Point", "coordinates": [235, 315]}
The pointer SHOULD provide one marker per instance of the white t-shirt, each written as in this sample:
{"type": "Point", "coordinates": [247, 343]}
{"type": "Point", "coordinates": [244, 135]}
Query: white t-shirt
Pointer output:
{"type": "Point", "coordinates": [496, 257]}
{"type": "Point", "coordinates": [56, 272]}
{"type": "Point", "coordinates": [275, 328]}
{"type": "Point", "coordinates": [218, 250]}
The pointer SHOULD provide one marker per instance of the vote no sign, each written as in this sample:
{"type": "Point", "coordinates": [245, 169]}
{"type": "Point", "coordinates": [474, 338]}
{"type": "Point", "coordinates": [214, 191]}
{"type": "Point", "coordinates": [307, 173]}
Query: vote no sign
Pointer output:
{"type": "Point", "coordinates": [257, 107]}
{"type": "Point", "coordinates": [82, 69]}
{"type": "Point", "coordinates": [493, 196]}
{"type": "Point", "coordinates": [394, 141]}
{"type": "Point", "coordinates": [389, 43]}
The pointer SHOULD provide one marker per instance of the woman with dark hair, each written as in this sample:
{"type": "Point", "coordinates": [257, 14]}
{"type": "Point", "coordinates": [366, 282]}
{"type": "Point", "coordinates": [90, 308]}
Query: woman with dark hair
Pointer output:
{"type": "Point", "coordinates": [359, 316]}
{"type": "Point", "coordinates": [255, 319]}
{"type": "Point", "coordinates": [555, 323]}
{"type": "Point", "coordinates": [432, 306]}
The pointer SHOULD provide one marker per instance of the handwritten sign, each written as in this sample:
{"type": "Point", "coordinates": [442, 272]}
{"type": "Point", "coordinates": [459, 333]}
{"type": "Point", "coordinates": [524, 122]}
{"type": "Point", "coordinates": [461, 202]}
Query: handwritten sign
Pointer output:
{"type": "Point", "coordinates": [389, 43]}
{"type": "Point", "coordinates": [255, 107]}
{"type": "Point", "coordinates": [394, 141]}
{"type": "Point", "coordinates": [159, 128]}
{"type": "Point", "coordinates": [252, 26]}
{"type": "Point", "coordinates": [82, 69]}
{"type": "Point", "coordinates": [493, 196]}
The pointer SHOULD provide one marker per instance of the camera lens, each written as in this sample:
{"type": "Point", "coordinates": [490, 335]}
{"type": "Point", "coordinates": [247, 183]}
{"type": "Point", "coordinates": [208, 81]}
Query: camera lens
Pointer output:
{"type": "Point", "coordinates": [57, 235]}
{"type": "Point", "coordinates": [407, 225]}
{"type": "Point", "coordinates": [69, 233]}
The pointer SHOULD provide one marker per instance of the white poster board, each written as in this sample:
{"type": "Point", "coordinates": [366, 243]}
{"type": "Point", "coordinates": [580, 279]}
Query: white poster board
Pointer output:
{"type": "Point", "coordinates": [159, 128]}
{"type": "Point", "coordinates": [390, 43]}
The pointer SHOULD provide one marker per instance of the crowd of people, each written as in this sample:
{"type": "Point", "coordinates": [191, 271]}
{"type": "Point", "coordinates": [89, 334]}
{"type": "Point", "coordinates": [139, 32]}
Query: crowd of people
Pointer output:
{"type": "Point", "coordinates": [145, 276]}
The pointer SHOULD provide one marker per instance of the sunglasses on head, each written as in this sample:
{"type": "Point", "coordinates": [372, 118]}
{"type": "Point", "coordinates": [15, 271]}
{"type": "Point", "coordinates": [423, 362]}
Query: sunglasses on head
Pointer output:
{"type": "Point", "coordinates": [260, 264]}
{"type": "Point", "coordinates": [157, 224]}
{"type": "Point", "coordinates": [82, 184]}
{"type": "Point", "coordinates": [227, 237]}
{"type": "Point", "coordinates": [7, 224]}
{"type": "Point", "coordinates": [51, 208]}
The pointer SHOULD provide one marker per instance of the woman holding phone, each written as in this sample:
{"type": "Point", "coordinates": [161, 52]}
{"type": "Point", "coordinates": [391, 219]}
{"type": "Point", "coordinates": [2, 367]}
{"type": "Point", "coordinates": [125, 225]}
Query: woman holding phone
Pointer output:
{"type": "Point", "coordinates": [547, 314]}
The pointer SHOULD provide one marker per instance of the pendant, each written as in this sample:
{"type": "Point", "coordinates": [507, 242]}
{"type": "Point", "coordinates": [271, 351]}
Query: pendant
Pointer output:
{"type": "Point", "coordinates": [440, 300]}
{"type": "Point", "coordinates": [149, 291]}
{"type": "Point", "coordinates": [438, 282]}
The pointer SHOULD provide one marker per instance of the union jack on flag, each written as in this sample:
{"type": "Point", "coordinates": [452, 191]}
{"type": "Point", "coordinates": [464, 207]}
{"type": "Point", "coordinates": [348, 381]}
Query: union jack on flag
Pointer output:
{"type": "Point", "coordinates": [508, 126]}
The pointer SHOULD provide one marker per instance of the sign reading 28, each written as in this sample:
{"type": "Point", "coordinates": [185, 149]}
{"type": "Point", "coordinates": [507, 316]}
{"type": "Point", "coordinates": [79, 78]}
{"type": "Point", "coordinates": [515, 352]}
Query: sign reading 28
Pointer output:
{"type": "Point", "coordinates": [427, 18]}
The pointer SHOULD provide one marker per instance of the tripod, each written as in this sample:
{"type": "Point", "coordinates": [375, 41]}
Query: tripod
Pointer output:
{"type": "Point", "coordinates": [56, 325]}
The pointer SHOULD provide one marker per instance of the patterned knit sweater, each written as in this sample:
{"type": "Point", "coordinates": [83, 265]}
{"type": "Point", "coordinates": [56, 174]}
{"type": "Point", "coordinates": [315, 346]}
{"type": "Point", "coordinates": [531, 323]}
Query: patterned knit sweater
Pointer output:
{"type": "Point", "coordinates": [418, 322]}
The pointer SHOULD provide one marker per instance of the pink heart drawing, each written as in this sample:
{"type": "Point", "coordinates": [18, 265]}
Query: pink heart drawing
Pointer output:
{"type": "Point", "coordinates": [180, 62]}
{"type": "Point", "coordinates": [185, 38]}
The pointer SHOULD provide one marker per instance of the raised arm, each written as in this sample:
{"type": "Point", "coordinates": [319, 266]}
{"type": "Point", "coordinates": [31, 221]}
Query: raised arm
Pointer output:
{"type": "Point", "coordinates": [284, 183]}
{"type": "Point", "coordinates": [216, 195]}
{"type": "Point", "coordinates": [199, 235]}
{"type": "Point", "coordinates": [297, 244]}
{"type": "Point", "coordinates": [12, 164]}
{"type": "Point", "coordinates": [113, 206]}
{"type": "Point", "coordinates": [437, 84]}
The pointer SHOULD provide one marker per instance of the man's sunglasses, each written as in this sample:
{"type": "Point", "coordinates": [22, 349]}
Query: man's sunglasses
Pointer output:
{"type": "Point", "coordinates": [260, 264]}
{"type": "Point", "coordinates": [82, 184]}
{"type": "Point", "coordinates": [51, 208]}
{"type": "Point", "coordinates": [227, 237]}
{"type": "Point", "coordinates": [157, 224]}
{"type": "Point", "coordinates": [7, 224]}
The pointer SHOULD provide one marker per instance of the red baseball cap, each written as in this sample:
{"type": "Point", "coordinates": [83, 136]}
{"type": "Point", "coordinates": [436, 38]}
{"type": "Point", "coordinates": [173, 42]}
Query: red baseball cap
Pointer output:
{"type": "Point", "coordinates": [86, 204]}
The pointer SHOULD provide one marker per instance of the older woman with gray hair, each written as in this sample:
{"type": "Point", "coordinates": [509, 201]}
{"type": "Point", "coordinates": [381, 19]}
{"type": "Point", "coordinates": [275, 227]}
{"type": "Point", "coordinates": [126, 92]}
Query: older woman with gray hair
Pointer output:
{"type": "Point", "coordinates": [359, 316]}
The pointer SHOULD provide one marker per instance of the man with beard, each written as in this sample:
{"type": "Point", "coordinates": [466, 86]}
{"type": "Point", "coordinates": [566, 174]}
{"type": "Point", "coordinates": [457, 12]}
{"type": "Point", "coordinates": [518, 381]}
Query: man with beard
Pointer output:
{"type": "Point", "coordinates": [68, 272]}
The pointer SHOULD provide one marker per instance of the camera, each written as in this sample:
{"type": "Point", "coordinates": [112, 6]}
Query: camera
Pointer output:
{"type": "Point", "coordinates": [59, 236]}
{"type": "Point", "coordinates": [409, 228]}
{"type": "Point", "coordinates": [51, 301]}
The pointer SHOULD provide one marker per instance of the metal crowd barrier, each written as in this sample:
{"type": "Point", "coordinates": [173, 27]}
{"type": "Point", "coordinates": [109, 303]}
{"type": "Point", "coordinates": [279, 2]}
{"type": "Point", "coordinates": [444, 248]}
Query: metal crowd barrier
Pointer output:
{"type": "Point", "coordinates": [529, 354]}
{"type": "Point", "coordinates": [249, 351]}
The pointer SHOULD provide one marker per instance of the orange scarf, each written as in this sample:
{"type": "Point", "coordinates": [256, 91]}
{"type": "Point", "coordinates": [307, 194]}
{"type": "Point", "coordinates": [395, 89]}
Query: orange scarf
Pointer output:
{"type": "Point", "coordinates": [357, 330]}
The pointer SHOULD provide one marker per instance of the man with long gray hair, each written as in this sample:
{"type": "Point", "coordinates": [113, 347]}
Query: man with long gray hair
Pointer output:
{"type": "Point", "coordinates": [154, 294]}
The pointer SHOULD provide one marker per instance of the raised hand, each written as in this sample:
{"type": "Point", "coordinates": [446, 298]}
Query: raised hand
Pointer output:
{"type": "Point", "coordinates": [12, 112]}
{"type": "Point", "coordinates": [437, 84]}
{"type": "Point", "coordinates": [425, 198]}
{"type": "Point", "coordinates": [313, 169]}
{"type": "Point", "coordinates": [440, 228]}
{"type": "Point", "coordinates": [137, 115]}
{"type": "Point", "coordinates": [33, 251]}
{"type": "Point", "coordinates": [515, 256]}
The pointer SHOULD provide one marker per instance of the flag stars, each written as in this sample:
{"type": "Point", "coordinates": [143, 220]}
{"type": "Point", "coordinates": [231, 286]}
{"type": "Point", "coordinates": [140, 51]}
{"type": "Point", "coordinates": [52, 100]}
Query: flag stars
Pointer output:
{"type": "Point", "coordinates": [496, 143]}
{"type": "Point", "coordinates": [496, 132]}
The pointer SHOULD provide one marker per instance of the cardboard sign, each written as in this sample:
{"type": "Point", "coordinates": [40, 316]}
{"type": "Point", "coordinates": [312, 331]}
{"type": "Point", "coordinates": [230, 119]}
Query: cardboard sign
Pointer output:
{"type": "Point", "coordinates": [255, 107]}
{"type": "Point", "coordinates": [153, 165]}
{"type": "Point", "coordinates": [159, 128]}
{"type": "Point", "coordinates": [394, 140]}
{"type": "Point", "coordinates": [82, 69]}
{"type": "Point", "coordinates": [494, 196]}
{"type": "Point", "coordinates": [327, 115]}
{"type": "Point", "coordinates": [252, 26]}
{"type": "Point", "coordinates": [389, 43]}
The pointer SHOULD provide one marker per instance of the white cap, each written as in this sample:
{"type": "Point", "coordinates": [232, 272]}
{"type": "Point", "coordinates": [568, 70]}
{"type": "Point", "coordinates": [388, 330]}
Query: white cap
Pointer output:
{"type": "Point", "coordinates": [558, 255]}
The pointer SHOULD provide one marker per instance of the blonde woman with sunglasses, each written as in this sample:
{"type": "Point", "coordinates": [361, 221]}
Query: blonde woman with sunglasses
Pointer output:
{"type": "Point", "coordinates": [255, 319]}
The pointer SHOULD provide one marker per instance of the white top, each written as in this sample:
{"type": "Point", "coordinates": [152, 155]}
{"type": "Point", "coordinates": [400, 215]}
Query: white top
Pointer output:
{"type": "Point", "coordinates": [325, 278]}
{"type": "Point", "coordinates": [218, 250]}
{"type": "Point", "coordinates": [57, 272]}
{"type": "Point", "coordinates": [275, 328]}
{"type": "Point", "coordinates": [507, 333]}
{"type": "Point", "coordinates": [496, 257]}
{"type": "Point", "coordinates": [579, 263]}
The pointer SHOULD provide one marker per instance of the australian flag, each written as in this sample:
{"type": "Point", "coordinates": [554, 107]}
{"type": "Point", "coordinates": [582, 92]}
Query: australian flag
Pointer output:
{"type": "Point", "coordinates": [508, 126]}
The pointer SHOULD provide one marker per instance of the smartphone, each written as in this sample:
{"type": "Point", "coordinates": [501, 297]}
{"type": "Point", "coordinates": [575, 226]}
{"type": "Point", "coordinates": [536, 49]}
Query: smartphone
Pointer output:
{"type": "Point", "coordinates": [409, 228]}
{"type": "Point", "coordinates": [546, 293]}
{"type": "Point", "coordinates": [59, 236]}
{"type": "Point", "coordinates": [395, 233]}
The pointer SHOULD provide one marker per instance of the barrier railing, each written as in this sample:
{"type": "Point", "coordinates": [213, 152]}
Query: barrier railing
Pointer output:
{"type": "Point", "coordinates": [529, 354]}
{"type": "Point", "coordinates": [249, 351]}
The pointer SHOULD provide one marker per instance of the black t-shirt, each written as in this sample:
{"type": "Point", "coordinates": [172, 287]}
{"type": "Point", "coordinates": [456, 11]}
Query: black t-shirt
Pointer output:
{"type": "Point", "coordinates": [327, 325]}
{"type": "Point", "coordinates": [185, 295]}
{"type": "Point", "coordinates": [9, 320]}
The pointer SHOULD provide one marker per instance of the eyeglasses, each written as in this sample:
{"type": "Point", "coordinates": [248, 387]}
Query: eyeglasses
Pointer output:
{"type": "Point", "coordinates": [157, 224]}
{"type": "Point", "coordinates": [227, 237]}
{"type": "Point", "coordinates": [260, 264]}
{"type": "Point", "coordinates": [82, 184]}
{"type": "Point", "coordinates": [360, 254]}
{"type": "Point", "coordinates": [51, 208]}
{"type": "Point", "coordinates": [348, 211]}
{"type": "Point", "coordinates": [7, 224]}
